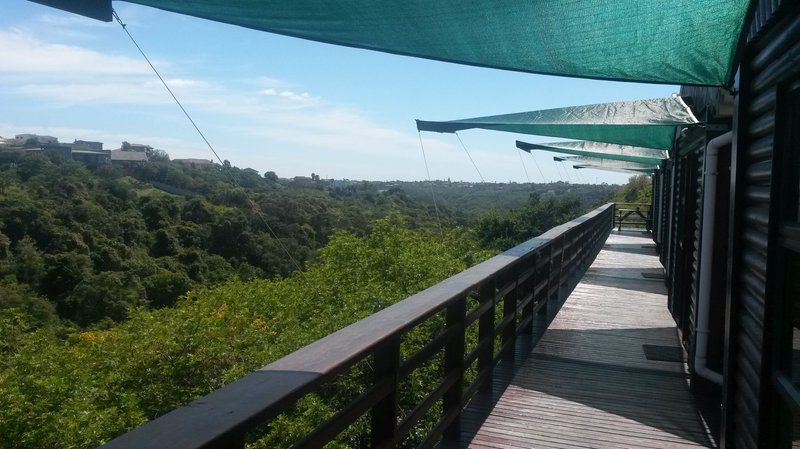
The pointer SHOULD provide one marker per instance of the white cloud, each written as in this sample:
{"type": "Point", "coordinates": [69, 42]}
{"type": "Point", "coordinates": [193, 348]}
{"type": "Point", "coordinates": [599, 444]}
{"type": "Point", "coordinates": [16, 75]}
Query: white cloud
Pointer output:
{"type": "Point", "coordinates": [72, 20]}
{"type": "Point", "coordinates": [24, 53]}
{"type": "Point", "coordinates": [300, 129]}
{"type": "Point", "coordinates": [108, 92]}
{"type": "Point", "coordinates": [296, 96]}
{"type": "Point", "coordinates": [184, 82]}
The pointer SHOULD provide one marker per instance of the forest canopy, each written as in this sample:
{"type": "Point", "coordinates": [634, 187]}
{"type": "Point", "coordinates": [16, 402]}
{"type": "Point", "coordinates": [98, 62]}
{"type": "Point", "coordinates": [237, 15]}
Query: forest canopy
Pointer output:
{"type": "Point", "coordinates": [126, 292]}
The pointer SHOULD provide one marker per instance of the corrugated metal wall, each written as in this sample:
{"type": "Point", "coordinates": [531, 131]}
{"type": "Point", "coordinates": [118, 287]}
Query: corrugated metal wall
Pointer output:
{"type": "Point", "coordinates": [665, 197]}
{"type": "Point", "coordinates": [764, 12]}
{"type": "Point", "coordinates": [697, 157]}
{"type": "Point", "coordinates": [682, 254]}
{"type": "Point", "coordinates": [767, 60]}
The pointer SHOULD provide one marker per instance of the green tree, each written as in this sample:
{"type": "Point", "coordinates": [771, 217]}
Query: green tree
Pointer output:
{"type": "Point", "coordinates": [38, 311]}
{"type": "Point", "coordinates": [164, 288]}
{"type": "Point", "coordinates": [639, 189]}
{"type": "Point", "coordinates": [28, 262]}
{"type": "Point", "coordinates": [105, 295]}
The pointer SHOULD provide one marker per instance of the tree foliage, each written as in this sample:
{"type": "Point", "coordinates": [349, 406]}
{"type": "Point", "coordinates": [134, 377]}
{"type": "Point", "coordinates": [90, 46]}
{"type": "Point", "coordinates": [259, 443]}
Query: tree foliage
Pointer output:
{"type": "Point", "coordinates": [127, 292]}
{"type": "Point", "coordinates": [503, 230]}
{"type": "Point", "coordinates": [639, 189]}
{"type": "Point", "coordinates": [95, 384]}
{"type": "Point", "coordinates": [98, 243]}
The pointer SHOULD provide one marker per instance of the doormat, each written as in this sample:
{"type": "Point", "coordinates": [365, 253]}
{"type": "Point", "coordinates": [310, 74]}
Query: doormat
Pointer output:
{"type": "Point", "coordinates": [663, 353]}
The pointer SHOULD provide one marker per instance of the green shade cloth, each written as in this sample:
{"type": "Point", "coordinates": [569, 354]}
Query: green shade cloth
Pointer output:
{"type": "Point", "coordinates": [599, 150]}
{"type": "Point", "coordinates": [685, 42]}
{"type": "Point", "coordinates": [641, 123]}
{"type": "Point", "coordinates": [593, 162]}
{"type": "Point", "coordinates": [616, 170]}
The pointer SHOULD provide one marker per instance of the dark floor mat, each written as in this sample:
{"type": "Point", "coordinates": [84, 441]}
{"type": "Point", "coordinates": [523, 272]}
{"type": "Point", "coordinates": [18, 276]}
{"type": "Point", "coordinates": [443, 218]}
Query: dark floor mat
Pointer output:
{"type": "Point", "coordinates": [663, 353]}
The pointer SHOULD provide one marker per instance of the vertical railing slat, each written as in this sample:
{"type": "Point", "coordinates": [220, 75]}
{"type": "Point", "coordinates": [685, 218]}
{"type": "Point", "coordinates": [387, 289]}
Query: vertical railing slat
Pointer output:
{"type": "Point", "coordinates": [454, 361]}
{"type": "Point", "coordinates": [486, 293]}
{"type": "Point", "coordinates": [383, 415]}
{"type": "Point", "coordinates": [510, 311]}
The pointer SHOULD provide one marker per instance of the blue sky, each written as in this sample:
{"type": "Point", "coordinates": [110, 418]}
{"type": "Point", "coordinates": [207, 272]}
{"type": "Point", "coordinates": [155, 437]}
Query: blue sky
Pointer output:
{"type": "Point", "coordinates": [270, 102]}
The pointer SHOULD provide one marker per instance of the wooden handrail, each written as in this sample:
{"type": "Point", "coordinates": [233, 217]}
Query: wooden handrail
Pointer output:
{"type": "Point", "coordinates": [618, 204]}
{"type": "Point", "coordinates": [637, 214]}
{"type": "Point", "coordinates": [526, 278]}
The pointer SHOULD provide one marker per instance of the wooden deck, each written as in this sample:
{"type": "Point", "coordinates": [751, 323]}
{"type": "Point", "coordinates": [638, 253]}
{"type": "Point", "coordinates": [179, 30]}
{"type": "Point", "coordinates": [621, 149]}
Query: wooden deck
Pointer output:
{"type": "Point", "coordinates": [587, 383]}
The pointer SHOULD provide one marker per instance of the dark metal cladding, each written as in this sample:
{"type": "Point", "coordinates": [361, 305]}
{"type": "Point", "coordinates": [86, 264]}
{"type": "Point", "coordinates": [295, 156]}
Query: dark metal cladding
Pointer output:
{"type": "Point", "coordinates": [770, 58]}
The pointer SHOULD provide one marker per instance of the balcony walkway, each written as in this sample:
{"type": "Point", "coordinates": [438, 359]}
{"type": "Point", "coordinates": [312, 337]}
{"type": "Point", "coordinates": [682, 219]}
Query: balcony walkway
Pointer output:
{"type": "Point", "coordinates": [588, 383]}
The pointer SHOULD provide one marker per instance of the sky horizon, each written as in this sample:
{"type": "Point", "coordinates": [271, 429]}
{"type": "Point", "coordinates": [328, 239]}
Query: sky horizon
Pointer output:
{"type": "Point", "coordinates": [275, 103]}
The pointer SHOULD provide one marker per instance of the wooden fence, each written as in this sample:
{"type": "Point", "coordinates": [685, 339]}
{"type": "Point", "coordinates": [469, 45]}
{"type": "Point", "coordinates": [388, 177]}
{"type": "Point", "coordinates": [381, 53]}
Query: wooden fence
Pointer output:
{"type": "Point", "coordinates": [633, 215]}
{"type": "Point", "coordinates": [524, 279]}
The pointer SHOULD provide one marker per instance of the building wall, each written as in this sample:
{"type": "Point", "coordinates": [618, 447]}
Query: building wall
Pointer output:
{"type": "Point", "coordinates": [679, 204]}
{"type": "Point", "coordinates": [768, 61]}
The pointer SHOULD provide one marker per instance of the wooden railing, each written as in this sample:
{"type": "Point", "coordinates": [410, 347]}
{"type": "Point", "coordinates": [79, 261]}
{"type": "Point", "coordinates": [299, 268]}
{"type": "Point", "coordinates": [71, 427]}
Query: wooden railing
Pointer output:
{"type": "Point", "coordinates": [635, 215]}
{"type": "Point", "coordinates": [540, 272]}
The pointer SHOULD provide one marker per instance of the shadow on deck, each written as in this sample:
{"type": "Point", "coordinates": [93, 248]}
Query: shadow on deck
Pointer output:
{"type": "Point", "coordinates": [588, 381]}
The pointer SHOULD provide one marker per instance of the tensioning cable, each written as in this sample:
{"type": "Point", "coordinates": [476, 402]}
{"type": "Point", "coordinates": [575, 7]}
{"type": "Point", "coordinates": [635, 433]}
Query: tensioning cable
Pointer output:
{"type": "Point", "coordinates": [469, 156]}
{"type": "Point", "coordinates": [428, 172]}
{"type": "Point", "coordinates": [255, 207]}
{"type": "Point", "coordinates": [519, 153]}
{"type": "Point", "coordinates": [538, 168]}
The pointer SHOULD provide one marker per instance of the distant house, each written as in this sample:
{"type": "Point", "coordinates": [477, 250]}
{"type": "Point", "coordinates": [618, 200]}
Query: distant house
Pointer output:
{"type": "Point", "coordinates": [62, 150]}
{"type": "Point", "coordinates": [35, 139]}
{"type": "Point", "coordinates": [304, 181]}
{"type": "Point", "coordinates": [87, 145]}
{"type": "Point", "coordinates": [135, 147]}
{"type": "Point", "coordinates": [120, 156]}
{"type": "Point", "coordinates": [195, 162]}
{"type": "Point", "coordinates": [91, 157]}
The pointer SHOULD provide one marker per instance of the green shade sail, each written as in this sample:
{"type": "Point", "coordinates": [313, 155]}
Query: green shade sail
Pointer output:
{"type": "Point", "coordinates": [599, 150]}
{"type": "Point", "coordinates": [641, 123]}
{"type": "Point", "coordinates": [597, 163]}
{"type": "Point", "coordinates": [685, 42]}
{"type": "Point", "coordinates": [616, 170]}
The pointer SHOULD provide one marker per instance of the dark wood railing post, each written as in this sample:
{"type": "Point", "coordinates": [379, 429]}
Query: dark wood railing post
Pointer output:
{"type": "Point", "coordinates": [530, 287]}
{"type": "Point", "coordinates": [556, 266]}
{"type": "Point", "coordinates": [383, 422]}
{"type": "Point", "coordinates": [613, 217]}
{"type": "Point", "coordinates": [486, 325]}
{"type": "Point", "coordinates": [509, 333]}
{"type": "Point", "coordinates": [454, 362]}
{"type": "Point", "coordinates": [542, 298]}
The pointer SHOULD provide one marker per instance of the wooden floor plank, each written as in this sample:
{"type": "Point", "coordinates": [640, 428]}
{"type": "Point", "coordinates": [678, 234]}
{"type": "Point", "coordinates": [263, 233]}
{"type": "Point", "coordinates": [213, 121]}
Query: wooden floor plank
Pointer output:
{"type": "Point", "coordinates": [587, 382]}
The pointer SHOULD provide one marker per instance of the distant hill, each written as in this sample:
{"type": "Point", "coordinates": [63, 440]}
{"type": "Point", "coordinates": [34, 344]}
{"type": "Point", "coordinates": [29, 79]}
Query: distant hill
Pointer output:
{"type": "Point", "coordinates": [475, 198]}
{"type": "Point", "coordinates": [85, 245]}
